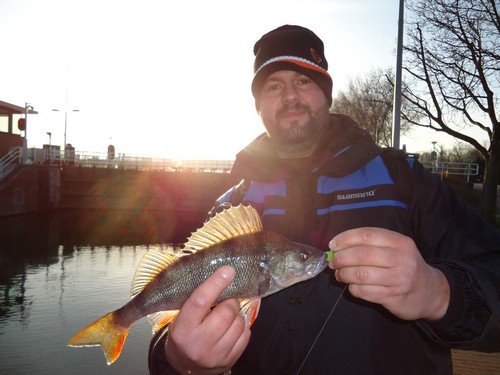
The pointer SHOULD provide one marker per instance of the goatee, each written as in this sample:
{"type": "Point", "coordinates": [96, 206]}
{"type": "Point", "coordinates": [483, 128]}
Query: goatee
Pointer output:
{"type": "Point", "coordinates": [298, 138]}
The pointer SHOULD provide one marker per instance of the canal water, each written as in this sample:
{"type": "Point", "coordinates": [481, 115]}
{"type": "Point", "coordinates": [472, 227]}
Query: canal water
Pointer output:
{"type": "Point", "coordinates": [60, 272]}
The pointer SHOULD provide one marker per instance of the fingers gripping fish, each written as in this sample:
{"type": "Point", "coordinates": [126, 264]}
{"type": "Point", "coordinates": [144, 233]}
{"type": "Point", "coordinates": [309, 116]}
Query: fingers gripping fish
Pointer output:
{"type": "Point", "coordinates": [265, 263]}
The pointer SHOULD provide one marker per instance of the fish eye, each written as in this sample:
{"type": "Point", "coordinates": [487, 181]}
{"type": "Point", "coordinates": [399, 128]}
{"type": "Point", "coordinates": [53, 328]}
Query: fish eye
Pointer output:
{"type": "Point", "coordinates": [303, 256]}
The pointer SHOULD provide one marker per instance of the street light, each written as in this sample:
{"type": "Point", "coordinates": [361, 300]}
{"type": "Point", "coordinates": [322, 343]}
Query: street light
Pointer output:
{"type": "Point", "coordinates": [50, 138]}
{"type": "Point", "coordinates": [434, 156]}
{"type": "Point", "coordinates": [27, 109]}
{"type": "Point", "coordinates": [396, 113]}
{"type": "Point", "coordinates": [66, 123]}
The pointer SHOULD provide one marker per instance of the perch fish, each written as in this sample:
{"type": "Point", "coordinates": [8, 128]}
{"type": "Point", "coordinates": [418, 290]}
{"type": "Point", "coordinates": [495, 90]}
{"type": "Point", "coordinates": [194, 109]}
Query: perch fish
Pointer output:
{"type": "Point", "coordinates": [265, 263]}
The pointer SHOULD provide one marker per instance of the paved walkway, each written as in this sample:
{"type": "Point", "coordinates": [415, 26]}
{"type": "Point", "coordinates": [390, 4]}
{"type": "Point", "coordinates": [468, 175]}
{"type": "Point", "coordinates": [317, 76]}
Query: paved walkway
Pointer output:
{"type": "Point", "coordinates": [475, 363]}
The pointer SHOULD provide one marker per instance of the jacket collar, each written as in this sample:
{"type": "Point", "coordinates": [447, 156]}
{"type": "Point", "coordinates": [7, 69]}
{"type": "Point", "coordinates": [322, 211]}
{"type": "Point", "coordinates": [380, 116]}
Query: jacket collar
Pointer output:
{"type": "Point", "coordinates": [344, 149]}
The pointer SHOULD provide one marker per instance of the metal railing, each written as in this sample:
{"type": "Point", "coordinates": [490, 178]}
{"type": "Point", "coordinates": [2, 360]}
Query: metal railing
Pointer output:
{"type": "Point", "coordinates": [146, 163]}
{"type": "Point", "coordinates": [85, 159]}
{"type": "Point", "coordinates": [448, 168]}
{"type": "Point", "coordinates": [9, 161]}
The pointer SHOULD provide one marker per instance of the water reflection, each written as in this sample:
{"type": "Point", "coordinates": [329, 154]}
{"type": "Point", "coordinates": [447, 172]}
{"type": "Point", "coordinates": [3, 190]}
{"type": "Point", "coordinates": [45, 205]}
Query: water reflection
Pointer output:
{"type": "Point", "coordinates": [60, 272]}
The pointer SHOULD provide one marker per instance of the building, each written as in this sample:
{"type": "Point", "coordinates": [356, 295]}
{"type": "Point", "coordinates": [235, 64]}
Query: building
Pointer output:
{"type": "Point", "coordinates": [10, 114]}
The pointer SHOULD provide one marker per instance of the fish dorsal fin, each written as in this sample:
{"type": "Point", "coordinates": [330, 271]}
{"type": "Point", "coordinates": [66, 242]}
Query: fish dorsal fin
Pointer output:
{"type": "Point", "coordinates": [152, 263]}
{"type": "Point", "coordinates": [230, 223]}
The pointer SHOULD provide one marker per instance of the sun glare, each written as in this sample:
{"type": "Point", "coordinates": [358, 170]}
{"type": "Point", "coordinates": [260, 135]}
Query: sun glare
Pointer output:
{"type": "Point", "coordinates": [167, 79]}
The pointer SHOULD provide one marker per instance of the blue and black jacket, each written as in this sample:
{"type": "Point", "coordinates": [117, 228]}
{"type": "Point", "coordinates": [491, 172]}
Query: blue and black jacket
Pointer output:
{"type": "Point", "coordinates": [349, 182]}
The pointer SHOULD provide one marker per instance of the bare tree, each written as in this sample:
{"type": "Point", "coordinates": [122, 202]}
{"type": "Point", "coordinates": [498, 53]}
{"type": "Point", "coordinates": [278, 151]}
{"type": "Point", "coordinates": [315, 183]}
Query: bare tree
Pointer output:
{"type": "Point", "coordinates": [460, 152]}
{"type": "Point", "coordinates": [368, 100]}
{"type": "Point", "coordinates": [452, 64]}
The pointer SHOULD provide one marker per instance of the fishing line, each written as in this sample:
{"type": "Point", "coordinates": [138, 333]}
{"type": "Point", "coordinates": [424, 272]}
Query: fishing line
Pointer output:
{"type": "Point", "coordinates": [322, 328]}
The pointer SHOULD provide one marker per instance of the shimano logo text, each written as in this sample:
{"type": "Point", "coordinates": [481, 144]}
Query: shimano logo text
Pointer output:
{"type": "Point", "coordinates": [366, 194]}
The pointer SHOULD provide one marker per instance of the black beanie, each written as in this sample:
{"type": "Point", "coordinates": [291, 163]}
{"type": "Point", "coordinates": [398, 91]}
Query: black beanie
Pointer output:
{"type": "Point", "coordinates": [294, 48]}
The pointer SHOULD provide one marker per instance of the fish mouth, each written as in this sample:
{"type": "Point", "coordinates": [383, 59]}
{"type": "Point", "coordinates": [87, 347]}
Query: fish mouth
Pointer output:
{"type": "Point", "coordinates": [316, 267]}
{"type": "Point", "coordinates": [295, 274]}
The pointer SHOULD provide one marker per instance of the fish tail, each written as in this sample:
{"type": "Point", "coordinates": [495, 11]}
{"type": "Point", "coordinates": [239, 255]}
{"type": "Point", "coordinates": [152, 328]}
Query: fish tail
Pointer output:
{"type": "Point", "coordinates": [105, 332]}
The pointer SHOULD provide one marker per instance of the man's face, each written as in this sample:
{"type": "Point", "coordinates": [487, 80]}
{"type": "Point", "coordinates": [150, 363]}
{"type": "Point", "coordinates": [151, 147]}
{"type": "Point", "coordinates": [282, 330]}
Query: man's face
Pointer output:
{"type": "Point", "coordinates": [294, 111]}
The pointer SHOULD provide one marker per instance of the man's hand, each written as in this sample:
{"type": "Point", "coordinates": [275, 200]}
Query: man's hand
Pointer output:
{"type": "Point", "coordinates": [385, 267]}
{"type": "Point", "coordinates": [203, 340]}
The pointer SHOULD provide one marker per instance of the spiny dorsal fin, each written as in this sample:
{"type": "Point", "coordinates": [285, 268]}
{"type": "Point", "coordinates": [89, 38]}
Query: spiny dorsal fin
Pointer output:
{"type": "Point", "coordinates": [151, 264]}
{"type": "Point", "coordinates": [230, 223]}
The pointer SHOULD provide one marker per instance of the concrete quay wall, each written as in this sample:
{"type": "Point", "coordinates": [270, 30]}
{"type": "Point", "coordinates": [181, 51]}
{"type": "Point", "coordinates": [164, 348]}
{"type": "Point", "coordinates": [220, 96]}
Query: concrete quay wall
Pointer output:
{"type": "Point", "coordinates": [47, 188]}
{"type": "Point", "coordinates": [30, 189]}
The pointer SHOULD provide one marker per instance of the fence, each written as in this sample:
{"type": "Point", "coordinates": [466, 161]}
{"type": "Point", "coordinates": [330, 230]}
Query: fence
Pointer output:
{"type": "Point", "coordinates": [124, 161]}
{"type": "Point", "coordinates": [445, 169]}
{"type": "Point", "coordinates": [52, 156]}
{"type": "Point", "coordinates": [9, 161]}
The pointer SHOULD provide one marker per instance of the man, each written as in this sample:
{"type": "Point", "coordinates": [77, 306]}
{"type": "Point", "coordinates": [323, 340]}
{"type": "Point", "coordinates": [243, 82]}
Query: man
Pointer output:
{"type": "Point", "coordinates": [422, 268]}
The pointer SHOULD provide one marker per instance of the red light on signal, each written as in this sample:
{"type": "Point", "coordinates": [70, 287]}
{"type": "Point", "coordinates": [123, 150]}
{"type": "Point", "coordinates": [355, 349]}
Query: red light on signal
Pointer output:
{"type": "Point", "coordinates": [21, 124]}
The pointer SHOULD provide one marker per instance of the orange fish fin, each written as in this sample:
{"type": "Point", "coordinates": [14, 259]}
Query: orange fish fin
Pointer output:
{"type": "Point", "coordinates": [104, 332]}
{"type": "Point", "coordinates": [230, 223]}
{"type": "Point", "coordinates": [249, 308]}
{"type": "Point", "coordinates": [152, 263]}
{"type": "Point", "coordinates": [161, 318]}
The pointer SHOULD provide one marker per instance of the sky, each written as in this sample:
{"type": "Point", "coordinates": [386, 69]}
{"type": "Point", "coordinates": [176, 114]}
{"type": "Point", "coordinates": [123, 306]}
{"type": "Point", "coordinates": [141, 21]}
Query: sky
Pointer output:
{"type": "Point", "coordinates": [171, 78]}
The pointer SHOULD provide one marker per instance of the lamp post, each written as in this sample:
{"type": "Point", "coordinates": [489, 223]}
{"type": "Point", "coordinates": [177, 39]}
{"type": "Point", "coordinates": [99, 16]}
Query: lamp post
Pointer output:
{"type": "Point", "coordinates": [27, 108]}
{"type": "Point", "coordinates": [66, 123]}
{"type": "Point", "coordinates": [50, 138]}
{"type": "Point", "coordinates": [434, 157]}
{"type": "Point", "coordinates": [396, 114]}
